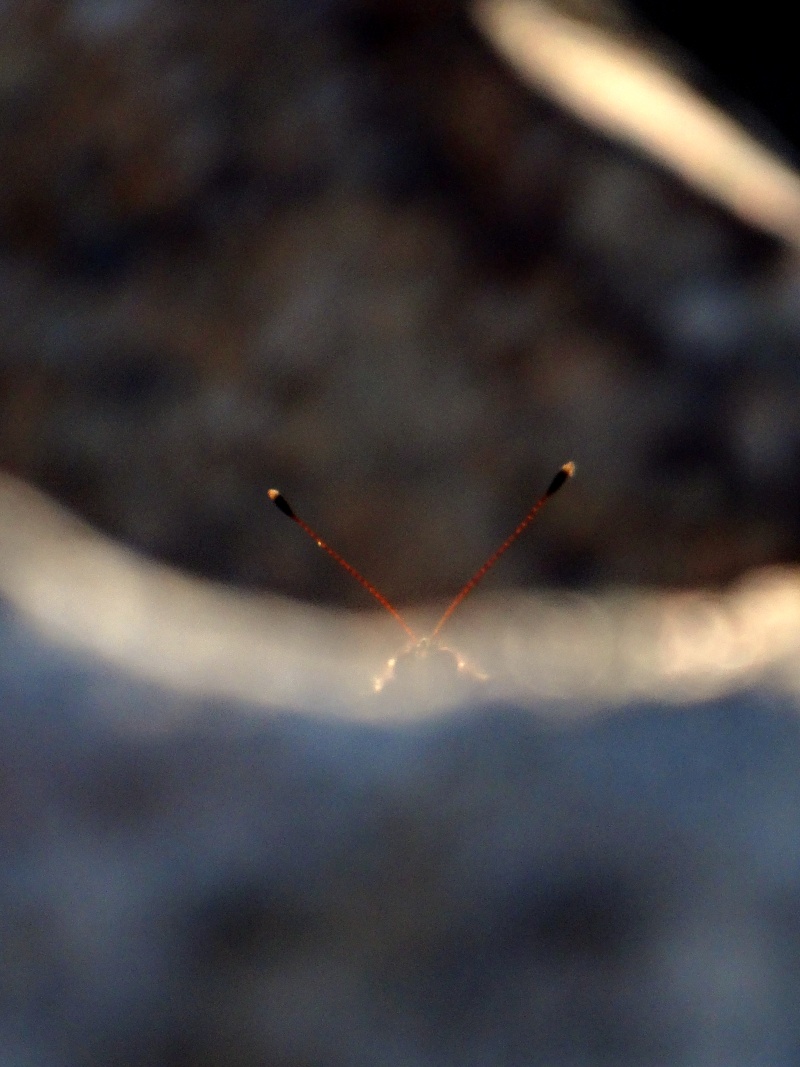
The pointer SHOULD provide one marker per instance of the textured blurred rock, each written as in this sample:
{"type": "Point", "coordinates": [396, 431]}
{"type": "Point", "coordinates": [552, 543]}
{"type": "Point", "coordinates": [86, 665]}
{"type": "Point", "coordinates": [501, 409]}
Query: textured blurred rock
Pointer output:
{"type": "Point", "coordinates": [186, 880]}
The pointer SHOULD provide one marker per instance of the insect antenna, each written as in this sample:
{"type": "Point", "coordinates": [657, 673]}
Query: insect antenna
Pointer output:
{"type": "Point", "coordinates": [564, 474]}
{"type": "Point", "coordinates": [281, 503]}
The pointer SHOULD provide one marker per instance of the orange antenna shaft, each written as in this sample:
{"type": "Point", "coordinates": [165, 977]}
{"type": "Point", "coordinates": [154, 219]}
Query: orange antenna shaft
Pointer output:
{"type": "Point", "coordinates": [281, 503]}
{"type": "Point", "coordinates": [563, 475]}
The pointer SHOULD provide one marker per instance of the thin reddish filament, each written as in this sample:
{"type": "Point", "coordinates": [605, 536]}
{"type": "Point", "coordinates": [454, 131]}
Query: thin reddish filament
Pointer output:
{"type": "Point", "coordinates": [282, 504]}
{"type": "Point", "coordinates": [566, 472]}
{"type": "Point", "coordinates": [280, 501]}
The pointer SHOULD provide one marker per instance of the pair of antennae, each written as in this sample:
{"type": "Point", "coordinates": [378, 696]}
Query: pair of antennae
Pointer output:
{"type": "Point", "coordinates": [561, 477]}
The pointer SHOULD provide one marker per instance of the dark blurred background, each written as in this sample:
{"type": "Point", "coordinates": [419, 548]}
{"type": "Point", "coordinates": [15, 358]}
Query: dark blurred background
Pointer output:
{"type": "Point", "coordinates": [338, 247]}
{"type": "Point", "coordinates": [743, 59]}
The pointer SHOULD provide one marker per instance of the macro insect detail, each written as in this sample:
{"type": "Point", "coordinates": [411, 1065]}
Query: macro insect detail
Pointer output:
{"type": "Point", "coordinates": [427, 653]}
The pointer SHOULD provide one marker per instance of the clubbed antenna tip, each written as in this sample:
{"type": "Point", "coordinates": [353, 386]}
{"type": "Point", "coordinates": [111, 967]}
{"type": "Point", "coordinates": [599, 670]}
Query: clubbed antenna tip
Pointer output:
{"type": "Point", "coordinates": [566, 472]}
{"type": "Point", "coordinates": [281, 503]}
{"type": "Point", "coordinates": [563, 475]}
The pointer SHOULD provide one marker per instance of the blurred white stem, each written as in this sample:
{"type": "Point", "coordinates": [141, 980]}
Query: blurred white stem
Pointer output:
{"type": "Point", "coordinates": [627, 93]}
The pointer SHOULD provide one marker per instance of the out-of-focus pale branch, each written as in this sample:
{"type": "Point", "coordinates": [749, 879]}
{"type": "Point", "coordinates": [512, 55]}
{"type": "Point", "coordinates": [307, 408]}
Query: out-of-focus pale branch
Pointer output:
{"type": "Point", "coordinates": [582, 654]}
{"type": "Point", "coordinates": [629, 94]}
